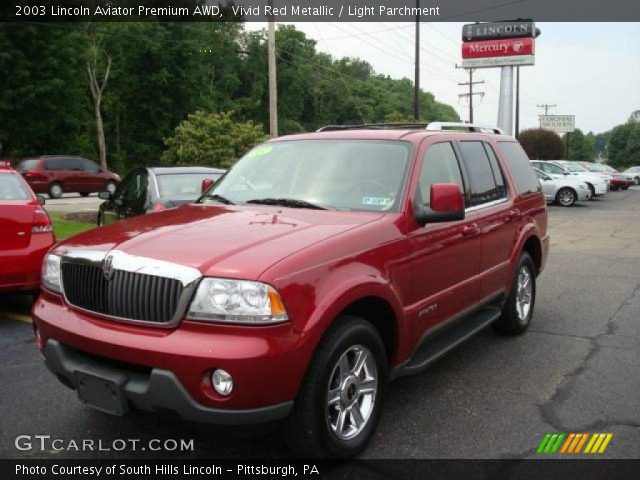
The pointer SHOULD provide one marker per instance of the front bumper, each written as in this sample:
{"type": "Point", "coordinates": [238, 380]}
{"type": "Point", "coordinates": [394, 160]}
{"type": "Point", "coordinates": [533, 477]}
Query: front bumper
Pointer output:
{"type": "Point", "coordinates": [267, 363]}
{"type": "Point", "coordinates": [159, 390]}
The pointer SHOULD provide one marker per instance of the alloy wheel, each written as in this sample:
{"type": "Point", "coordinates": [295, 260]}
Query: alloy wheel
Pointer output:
{"type": "Point", "coordinates": [351, 392]}
{"type": "Point", "coordinates": [524, 293]}
{"type": "Point", "coordinates": [566, 198]}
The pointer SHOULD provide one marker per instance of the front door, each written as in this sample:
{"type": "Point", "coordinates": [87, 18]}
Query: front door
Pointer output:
{"type": "Point", "coordinates": [445, 256]}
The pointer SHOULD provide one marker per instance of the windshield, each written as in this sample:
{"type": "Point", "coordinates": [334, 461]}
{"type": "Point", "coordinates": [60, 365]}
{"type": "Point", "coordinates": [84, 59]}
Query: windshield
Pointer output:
{"type": "Point", "coordinates": [182, 186]}
{"type": "Point", "coordinates": [364, 175]}
{"type": "Point", "coordinates": [574, 167]}
{"type": "Point", "coordinates": [11, 188]}
{"type": "Point", "coordinates": [594, 167]}
{"type": "Point", "coordinates": [28, 165]}
{"type": "Point", "coordinates": [608, 168]}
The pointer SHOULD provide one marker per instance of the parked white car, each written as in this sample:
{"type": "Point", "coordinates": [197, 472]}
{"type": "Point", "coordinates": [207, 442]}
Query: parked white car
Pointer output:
{"type": "Point", "coordinates": [565, 191]}
{"type": "Point", "coordinates": [563, 168]}
{"type": "Point", "coordinates": [635, 173]}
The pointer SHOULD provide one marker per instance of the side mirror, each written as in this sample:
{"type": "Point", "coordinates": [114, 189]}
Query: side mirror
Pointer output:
{"type": "Point", "coordinates": [446, 205]}
{"type": "Point", "coordinates": [104, 195]}
{"type": "Point", "coordinates": [207, 183]}
{"type": "Point", "coordinates": [41, 199]}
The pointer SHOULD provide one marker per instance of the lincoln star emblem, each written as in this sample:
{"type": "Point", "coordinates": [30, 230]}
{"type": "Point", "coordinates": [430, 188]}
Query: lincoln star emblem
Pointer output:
{"type": "Point", "coordinates": [107, 267]}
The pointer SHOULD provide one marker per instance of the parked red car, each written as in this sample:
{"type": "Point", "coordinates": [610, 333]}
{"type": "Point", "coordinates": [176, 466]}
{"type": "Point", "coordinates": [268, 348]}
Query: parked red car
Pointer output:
{"type": "Point", "coordinates": [318, 268]}
{"type": "Point", "coordinates": [616, 180]}
{"type": "Point", "coordinates": [57, 174]}
{"type": "Point", "coordinates": [25, 233]}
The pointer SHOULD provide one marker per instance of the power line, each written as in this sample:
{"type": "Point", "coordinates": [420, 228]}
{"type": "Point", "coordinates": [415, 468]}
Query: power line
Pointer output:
{"type": "Point", "coordinates": [471, 93]}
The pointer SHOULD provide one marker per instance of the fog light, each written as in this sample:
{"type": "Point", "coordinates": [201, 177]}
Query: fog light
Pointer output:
{"type": "Point", "coordinates": [222, 382]}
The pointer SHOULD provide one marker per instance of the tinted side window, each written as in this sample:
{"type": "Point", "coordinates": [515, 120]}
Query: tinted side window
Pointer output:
{"type": "Point", "coordinates": [90, 166]}
{"type": "Point", "coordinates": [64, 164]}
{"type": "Point", "coordinates": [497, 171]}
{"type": "Point", "coordinates": [525, 179]}
{"type": "Point", "coordinates": [481, 180]}
{"type": "Point", "coordinates": [439, 165]}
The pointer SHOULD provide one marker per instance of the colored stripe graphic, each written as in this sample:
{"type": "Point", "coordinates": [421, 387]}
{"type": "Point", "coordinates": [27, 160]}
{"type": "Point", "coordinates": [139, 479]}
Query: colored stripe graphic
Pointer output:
{"type": "Point", "coordinates": [572, 443]}
{"type": "Point", "coordinates": [550, 443]}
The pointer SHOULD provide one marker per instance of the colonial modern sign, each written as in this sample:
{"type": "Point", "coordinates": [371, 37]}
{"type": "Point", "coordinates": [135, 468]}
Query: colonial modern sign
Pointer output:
{"type": "Point", "coordinates": [558, 123]}
{"type": "Point", "coordinates": [498, 48]}
{"type": "Point", "coordinates": [473, 32]}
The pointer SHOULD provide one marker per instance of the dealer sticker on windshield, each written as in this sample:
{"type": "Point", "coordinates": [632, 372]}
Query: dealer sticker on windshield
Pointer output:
{"type": "Point", "coordinates": [378, 201]}
{"type": "Point", "coordinates": [259, 151]}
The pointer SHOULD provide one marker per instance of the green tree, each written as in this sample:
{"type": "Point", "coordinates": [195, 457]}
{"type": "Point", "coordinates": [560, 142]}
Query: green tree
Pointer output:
{"type": "Point", "coordinates": [581, 147]}
{"type": "Point", "coordinates": [542, 144]}
{"type": "Point", "coordinates": [624, 145]}
{"type": "Point", "coordinates": [213, 139]}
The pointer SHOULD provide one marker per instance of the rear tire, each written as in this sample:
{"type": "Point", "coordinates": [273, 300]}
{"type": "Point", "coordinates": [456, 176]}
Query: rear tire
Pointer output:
{"type": "Point", "coordinates": [518, 309]}
{"type": "Point", "coordinates": [339, 405]}
{"type": "Point", "coordinates": [111, 187]}
{"type": "Point", "coordinates": [55, 190]}
{"type": "Point", "coordinates": [84, 194]}
{"type": "Point", "coordinates": [566, 197]}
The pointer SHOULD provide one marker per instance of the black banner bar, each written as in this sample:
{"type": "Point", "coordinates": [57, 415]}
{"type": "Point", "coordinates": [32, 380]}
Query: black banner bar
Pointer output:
{"type": "Point", "coordinates": [569, 469]}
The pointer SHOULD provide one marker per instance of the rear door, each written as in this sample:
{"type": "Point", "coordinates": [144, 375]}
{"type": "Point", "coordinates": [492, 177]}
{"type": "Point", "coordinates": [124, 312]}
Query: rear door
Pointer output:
{"type": "Point", "coordinates": [16, 213]}
{"type": "Point", "coordinates": [93, 178]}
{"type": "Point", "coordinates": [498, 220]}
{"type": "Point", "coordinates": [445, 256]}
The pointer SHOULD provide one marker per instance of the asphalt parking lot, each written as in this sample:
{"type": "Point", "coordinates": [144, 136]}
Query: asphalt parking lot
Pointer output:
{"type": "Point", "coordinates": [576, 369]}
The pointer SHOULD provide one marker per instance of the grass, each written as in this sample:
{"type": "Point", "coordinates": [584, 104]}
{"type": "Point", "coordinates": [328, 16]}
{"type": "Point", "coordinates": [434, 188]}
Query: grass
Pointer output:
{"type": "Point", "coordinates": [67, 228]}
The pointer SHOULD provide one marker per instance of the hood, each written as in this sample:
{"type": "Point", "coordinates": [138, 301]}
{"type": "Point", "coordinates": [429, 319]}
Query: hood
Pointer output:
{"type": "Point", "coordinates": [230, 241]}
{"type": "Point", "coordinates": [588, 176]}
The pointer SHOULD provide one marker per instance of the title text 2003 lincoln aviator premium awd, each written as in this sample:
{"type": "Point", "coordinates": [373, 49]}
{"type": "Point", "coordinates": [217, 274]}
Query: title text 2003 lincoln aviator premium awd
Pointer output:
{"type": "Point", "coordinates": [320, 267]}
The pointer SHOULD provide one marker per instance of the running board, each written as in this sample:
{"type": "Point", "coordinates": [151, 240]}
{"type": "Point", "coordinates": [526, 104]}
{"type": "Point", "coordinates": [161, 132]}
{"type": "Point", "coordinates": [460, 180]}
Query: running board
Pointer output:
{"type": "Point", "coordinates": [435, 346]}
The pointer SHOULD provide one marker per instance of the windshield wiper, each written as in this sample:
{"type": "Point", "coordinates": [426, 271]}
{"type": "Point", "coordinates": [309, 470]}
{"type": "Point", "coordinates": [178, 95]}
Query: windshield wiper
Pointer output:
{"type": "Point", "coordinates": [217, 197]}
{"type": "Point", "coordinates": [286, 202]}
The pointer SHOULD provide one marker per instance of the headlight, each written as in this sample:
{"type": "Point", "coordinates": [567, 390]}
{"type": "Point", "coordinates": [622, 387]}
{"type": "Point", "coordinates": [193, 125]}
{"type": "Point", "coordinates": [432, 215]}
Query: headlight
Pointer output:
{"type": "Point", "coordinates": [237, 301]}
{"type": "Point", "coordinates": [51, 273]}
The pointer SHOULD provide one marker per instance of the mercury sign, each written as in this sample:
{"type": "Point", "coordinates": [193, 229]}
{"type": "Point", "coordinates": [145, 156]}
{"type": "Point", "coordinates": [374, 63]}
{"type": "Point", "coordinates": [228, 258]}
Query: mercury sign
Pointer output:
{"type": "Point", "coordinates": [498, 48]}
{"type": "Point", "coordinates": [558, 123]}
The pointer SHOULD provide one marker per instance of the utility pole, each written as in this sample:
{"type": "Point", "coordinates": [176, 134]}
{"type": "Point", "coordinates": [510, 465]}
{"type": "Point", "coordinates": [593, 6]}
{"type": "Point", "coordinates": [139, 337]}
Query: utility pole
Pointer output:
{"type": "Point", "coordinates": [273, 84]}
{"type": "Point", "coordinates": [471, 93]}
{"type": "Point", "coordinates": [517, 129]}
{"type": "Point", "coordinates": [416, 80]}
{"type": "Point", "coordinates": [546, 107]}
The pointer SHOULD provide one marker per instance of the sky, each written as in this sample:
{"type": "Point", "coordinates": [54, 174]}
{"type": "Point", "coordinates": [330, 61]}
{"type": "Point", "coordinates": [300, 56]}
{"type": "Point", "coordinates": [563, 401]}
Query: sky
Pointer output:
{"type": "Point", "coordinates": [590, 70]}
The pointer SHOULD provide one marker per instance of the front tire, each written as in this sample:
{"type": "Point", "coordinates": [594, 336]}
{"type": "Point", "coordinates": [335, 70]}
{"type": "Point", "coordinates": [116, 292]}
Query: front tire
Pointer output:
{"type": "Point", "coordinates": [55, 190]}
{"type": "Point", "coordinates": [518, 309]}
{"type": "Point", "coordinates": [340, 401]}
{"type": "Point", "coordinates": [84, 194]}
{"type": "Point", "coordinates": [637, 179]}
{"type": "Point", "coordinates": [566, 197]}
{"type": "Point", "coordinates": [593, 191]}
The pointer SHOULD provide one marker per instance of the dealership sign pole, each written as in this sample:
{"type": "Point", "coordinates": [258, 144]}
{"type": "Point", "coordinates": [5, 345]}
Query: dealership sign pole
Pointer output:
{"type": "Point", "coordinates": [500, 44]}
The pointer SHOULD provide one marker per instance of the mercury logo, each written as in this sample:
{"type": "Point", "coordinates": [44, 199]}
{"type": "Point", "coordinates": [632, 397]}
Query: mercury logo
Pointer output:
{"type": "Point", "coordinates": [107, 267]}
{"type": "Point", "coordinates": [518, 46]}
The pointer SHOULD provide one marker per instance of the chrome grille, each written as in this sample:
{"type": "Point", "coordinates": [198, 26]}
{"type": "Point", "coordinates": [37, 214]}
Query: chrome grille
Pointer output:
{"type": "Point", "coordinates": [126, 295]}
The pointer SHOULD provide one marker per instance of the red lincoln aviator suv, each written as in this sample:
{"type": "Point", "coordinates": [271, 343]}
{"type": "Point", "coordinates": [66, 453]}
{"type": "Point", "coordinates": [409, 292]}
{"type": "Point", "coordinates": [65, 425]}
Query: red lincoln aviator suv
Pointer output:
{"type": "Point", "coordinates": [320, 267]}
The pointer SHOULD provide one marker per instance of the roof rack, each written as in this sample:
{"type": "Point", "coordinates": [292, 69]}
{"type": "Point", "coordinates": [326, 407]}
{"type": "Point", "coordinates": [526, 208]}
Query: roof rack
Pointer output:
{"type": "Point", "coordinates": [471, 127]}
{"type": "Point", "coordinates": [432, 127]}
{"type": "Point", "coordinates": [373, 126]}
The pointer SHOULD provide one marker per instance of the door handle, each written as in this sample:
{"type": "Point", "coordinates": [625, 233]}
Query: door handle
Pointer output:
{"type": "Point", "coordinates": [514, 213]}
{"type": "Point", "coordinates": [471, 229]}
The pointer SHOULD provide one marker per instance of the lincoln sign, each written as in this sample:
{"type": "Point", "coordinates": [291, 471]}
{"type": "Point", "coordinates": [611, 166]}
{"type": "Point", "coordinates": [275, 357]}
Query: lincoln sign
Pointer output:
{"type": "Point", "coordinates": [498, 44]}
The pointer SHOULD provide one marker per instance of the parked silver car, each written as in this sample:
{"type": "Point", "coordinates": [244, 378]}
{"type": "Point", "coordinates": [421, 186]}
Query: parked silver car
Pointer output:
{"type": "Point", "coordinates": [565, 191]}
{"type": "Point", "coordinates": [562, 168]}
{"type": "Point", "coordinates": [635, 173]}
